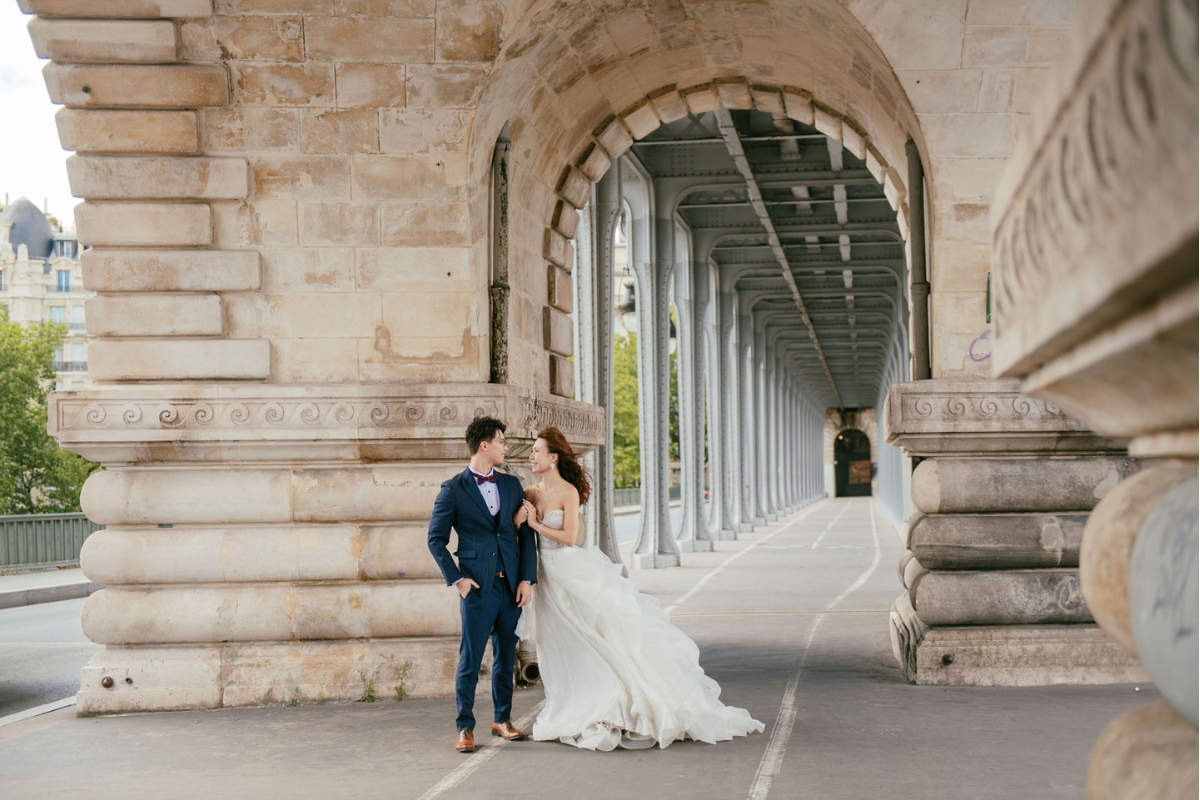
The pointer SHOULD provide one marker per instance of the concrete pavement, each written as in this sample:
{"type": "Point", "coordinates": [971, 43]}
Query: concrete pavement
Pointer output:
{"type": "Point", "coordinates": [790, 619]}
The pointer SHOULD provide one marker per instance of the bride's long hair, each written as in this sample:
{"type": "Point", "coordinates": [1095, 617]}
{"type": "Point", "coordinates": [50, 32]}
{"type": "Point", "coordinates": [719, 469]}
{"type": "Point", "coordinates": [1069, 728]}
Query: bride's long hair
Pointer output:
{"type": "Point", "coordinates": [568, 463]}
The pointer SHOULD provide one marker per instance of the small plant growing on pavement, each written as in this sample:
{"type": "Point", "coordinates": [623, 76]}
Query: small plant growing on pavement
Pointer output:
{"type": "Point", "coordinates": [368, 684]}
{"type": "Point", "coordinates": [402, 687]}
{"type": "Point", "coordinates": [295, 701]}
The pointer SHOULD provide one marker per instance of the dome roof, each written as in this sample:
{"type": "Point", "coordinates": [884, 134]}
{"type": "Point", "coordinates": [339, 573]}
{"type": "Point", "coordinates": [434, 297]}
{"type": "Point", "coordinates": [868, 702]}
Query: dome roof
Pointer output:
{"type": "Point", "coordinates": [30, 228]}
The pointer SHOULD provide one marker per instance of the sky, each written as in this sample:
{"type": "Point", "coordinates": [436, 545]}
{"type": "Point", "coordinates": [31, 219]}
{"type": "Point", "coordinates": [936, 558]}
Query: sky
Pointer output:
{"type": "Point", "coordinates": [32, 163]}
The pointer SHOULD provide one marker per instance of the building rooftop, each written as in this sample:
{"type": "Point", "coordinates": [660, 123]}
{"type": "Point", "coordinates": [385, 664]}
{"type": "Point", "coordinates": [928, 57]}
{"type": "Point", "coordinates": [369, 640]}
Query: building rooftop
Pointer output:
{"type": "Point", "coordinates": [30, 228]}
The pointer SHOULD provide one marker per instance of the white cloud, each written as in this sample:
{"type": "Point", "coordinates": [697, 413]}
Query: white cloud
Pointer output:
{"type": "Point", "coordinates": [32, 163]}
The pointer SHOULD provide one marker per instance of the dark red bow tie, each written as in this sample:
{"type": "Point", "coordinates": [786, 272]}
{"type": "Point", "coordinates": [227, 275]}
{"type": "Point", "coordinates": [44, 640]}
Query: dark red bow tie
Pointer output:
{"type": "Point", "coordinates": [480, 480]}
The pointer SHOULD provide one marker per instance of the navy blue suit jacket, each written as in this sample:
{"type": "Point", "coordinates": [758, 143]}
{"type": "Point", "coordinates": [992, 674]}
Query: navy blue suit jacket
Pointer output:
{"type": "Point", "coordinates": [486, 544]}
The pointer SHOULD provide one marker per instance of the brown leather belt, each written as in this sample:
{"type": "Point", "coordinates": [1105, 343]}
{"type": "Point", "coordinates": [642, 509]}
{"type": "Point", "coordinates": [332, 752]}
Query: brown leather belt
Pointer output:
{"type": "Point", "coordinates": [500, 574]}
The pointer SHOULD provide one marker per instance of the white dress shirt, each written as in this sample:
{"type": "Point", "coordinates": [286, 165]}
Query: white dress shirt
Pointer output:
{"type": "Point", "coordinates": [490, 492]}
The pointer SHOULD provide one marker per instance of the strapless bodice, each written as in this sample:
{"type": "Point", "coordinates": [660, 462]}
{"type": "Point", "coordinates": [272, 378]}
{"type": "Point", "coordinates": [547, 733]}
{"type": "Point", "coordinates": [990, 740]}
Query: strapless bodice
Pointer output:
{"type": "Point", "coordinates": [553, 519]}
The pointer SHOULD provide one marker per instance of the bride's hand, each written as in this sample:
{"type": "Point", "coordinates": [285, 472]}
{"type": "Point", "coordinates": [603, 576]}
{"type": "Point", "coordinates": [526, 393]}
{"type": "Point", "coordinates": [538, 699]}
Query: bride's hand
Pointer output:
{"type": "Point", "coordinates": [531, 510]}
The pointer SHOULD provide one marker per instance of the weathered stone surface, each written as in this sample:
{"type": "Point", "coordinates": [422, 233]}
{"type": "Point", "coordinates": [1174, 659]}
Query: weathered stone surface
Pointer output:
{"type": "Point", "coordinates": [251, 129]}
{"type": "Point", "coordinates": [1022, 655]}
{"type": "Point", "coordinates": [615, 138]}
{"type": "Point", "coordinates": [558, 332]}
{"type": "Point", "coordinates": [1163, 587]}
{"type": "Point", "coordinates": [1149, 751]}
{"type": "Point", "coordinates": [1108, 542]}
{"type": "Point", "coordinates": [444, 85]}
{"type": "Point", "coordinates": [144, 224]}
{"type": "Point", "coordinates": [270, 612]}
{"type": "Point", "coordinates": [417, 224]}
{"type": "Point", "coordinates": [370, 39]}
{"type": "Point", "coordinates": [1108, 258]}
{"type": "Point", "coordinates": [734, 93]}
{"type": "Point", "coordinates": [954, 486]}
{"type": "Point", "coordinates": [370, 85]}
{"type": "Point", "coordinates": [310, 84]}
{"type": "Point", "coordinates": [554, 248]}
{"type": "Point", "coordinates": [111, 270]}
{"type": "Point", "coordinates": [565, 219]}
{"type": "Point", "coordinates": [126, 86]}
{"type": "Point", "coordinates": [157, 178]}
{"type": "Point", "coordinates": [982, 417]}
{"type": "Point", "coordinates": [469, 30]}
{"type": "Point", "coordinates": [320, 177]}
{"type": "Point", "coordinates": [561, 291]}
{"type": "Point", "coordinates": [255, 38]}
{"type": "Point", "coordinates": [255, 423]}
{"type": "Point", "coordinates": [174, 677]}
{"type": "Point", "coordinates": [642, 121]}
{"type": "Point", "coordinates": [117, 8]}
{"type": "Point", "coordinates": [155, 315]}
{"type": "Point", "coordinates": [996, 541]}
{"type": "Point", "coordinates": [1000, 597]}
{"type": "Point", "coordinates": [562, 376]}
{"type": "Point", "coordinates": [97, 41]}
{"type": "Point", "coordinates": [324, 224]}
{"type": "Point", "coordinates": [575, 186]}
{"type": "Point", "coordinates": [188, 359]}
{"type": "Point", "coordinates": [87, 131]}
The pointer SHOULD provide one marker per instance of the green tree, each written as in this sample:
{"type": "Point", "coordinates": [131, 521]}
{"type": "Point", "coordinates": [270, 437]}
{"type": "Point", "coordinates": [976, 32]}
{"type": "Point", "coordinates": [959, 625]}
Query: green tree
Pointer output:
{"type": "Point", "coordinates": [36, 475]}
{"type": "Point", "coordinates": [627, 461]}
{"type": "Point", "coordinates": [626, 432]}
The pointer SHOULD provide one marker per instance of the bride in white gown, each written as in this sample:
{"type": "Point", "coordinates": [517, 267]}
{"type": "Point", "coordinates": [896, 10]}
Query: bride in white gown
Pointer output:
{"type": "Point", "coordinates": [615, 670]}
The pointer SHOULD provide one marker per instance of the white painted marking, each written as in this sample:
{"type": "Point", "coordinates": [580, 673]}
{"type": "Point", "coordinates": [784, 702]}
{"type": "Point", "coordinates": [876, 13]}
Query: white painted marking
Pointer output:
{"type": "Point", "coordinates": [478, 759]}
{"type": "Point", "coordinates": [830, 525]}
{"type": "Point", "coordinates": [37, 711]}
{"type": "Point", "coordinates": [717, 570]}
{"type": "Point", "coordinates": [772, 759]}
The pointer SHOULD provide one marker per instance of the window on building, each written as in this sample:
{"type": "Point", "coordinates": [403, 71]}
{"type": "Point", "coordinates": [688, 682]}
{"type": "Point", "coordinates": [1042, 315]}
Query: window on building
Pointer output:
{"type": "Point", "coordinates": [77, 321]}
{"type": "Point", "coordinates": [58, 385]}
{"type": "Point", "coordinates": [76, 384]}
{"type": "Point", "coordinates": [58, 314]}
{"type": "Point", "coordinates": [64, 280]}
{"type": "Point", "coordinates": [79, 352]}
{"type": "Point", "coordinates": [3, 281]}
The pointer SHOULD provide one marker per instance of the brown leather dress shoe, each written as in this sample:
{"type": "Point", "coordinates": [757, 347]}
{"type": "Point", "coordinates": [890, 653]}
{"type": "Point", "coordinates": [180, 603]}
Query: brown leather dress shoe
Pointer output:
{"type": "Point", "coordinates": [505, 730]}
{"type": "Point", "coordinates": [465, 742]}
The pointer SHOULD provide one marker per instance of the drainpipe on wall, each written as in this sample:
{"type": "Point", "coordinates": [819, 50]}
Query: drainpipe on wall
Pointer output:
{"type": "Point", "coordinates": [918, 275]}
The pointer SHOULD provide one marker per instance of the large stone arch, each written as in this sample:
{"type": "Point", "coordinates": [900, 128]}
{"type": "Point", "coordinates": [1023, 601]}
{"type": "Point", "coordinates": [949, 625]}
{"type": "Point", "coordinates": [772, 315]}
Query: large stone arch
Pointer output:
{"type": "Point", "coordinates": [578, 83]}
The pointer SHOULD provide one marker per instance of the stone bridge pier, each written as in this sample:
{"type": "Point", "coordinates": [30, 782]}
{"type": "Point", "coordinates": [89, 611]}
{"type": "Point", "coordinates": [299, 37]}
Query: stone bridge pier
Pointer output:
{"type": "Point", "coordinates": [326, 234]}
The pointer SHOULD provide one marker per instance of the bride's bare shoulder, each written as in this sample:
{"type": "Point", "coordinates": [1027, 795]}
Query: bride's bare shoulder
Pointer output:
{"type": "Point", "coordinates": [532, 490]}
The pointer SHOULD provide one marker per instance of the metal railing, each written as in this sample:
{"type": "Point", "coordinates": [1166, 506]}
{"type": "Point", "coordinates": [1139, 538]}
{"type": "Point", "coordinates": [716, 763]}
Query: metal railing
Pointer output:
{"type": "Point", "coordinates": [43, 540]}
{"type": "Point", "coordinates": [70, 366]}
{"type": "Point", "coordinates": [633, 497]}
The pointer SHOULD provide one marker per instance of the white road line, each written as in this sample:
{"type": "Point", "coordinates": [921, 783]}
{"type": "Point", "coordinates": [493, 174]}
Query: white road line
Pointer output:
{"type": "Point", "coordinates": [830, 525]}
{"type": "Point", "coordinates": [37, 711]}
{"type": "Point", "coordinates": [772, 759]}
{"type": "Point", "coordinates": [474, 762]}
{"type": "Point", "coordinates": [717, 569]}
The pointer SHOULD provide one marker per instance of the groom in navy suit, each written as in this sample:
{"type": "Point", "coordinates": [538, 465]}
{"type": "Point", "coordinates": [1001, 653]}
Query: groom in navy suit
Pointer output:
{"type": "Point", "coordinates": [497, 565]}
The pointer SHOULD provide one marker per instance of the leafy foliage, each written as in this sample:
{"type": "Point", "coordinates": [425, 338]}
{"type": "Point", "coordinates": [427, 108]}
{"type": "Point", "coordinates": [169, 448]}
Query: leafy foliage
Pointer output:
{"type": "Point", "coordinates": [36, 475]}
{"type": "Point", "coordinates": [626, 428]}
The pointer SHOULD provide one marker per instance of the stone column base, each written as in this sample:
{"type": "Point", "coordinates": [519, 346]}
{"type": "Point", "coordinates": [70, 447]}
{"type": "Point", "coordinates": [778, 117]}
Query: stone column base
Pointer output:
{"type": "Point", "coordinates": [190, 677]}
{"type": "Point", "coordinates": [1017, 655]}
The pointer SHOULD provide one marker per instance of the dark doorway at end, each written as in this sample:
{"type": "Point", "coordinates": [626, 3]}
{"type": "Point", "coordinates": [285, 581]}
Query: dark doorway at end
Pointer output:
{"type": "Point", "coordinates": [852, 463]}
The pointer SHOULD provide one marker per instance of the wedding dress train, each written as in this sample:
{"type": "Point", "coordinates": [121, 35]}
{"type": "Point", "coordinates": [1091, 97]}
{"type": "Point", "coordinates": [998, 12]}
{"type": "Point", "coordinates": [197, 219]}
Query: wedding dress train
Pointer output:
{"type": "Point", "coordinates": [615, 670]}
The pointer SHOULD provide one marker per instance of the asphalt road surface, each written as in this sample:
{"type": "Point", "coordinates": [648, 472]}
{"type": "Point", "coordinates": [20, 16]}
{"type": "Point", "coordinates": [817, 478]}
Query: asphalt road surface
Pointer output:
{"type": "Point", "coordinates": [42, 649]}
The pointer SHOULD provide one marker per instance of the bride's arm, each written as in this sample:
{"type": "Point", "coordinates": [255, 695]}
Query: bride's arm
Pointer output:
{"type": "Point", "coordinates": [564, 536]}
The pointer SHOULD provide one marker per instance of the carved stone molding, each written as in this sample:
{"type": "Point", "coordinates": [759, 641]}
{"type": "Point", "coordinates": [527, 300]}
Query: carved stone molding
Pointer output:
{"type": "Point", "coordinates": [256, 423]}
{"type": "Point", "coordinates": [981, 418]}
{"type": "Point", "coordinates": [1097, 213]}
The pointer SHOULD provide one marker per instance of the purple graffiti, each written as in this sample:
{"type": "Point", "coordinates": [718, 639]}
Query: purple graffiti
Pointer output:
{"type": "Point", "coordinates": [985, 337]}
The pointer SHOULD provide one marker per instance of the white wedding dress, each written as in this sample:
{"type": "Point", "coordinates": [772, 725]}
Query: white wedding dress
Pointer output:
{"type": "Point", "coordinates": [616, 671]}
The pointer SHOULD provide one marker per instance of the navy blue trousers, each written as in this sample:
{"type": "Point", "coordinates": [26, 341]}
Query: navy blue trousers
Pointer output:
{"type": "Point", "coordinates": [490, 610]}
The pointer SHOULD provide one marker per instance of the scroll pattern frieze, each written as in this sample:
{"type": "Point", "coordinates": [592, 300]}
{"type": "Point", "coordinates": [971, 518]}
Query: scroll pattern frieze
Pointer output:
{"type": "Point", "coordinates": [80, 418]}
{"type": "Point", "coordinates": [267, 414]}
{"type": "Point", "coordinates": [1137, 103]}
